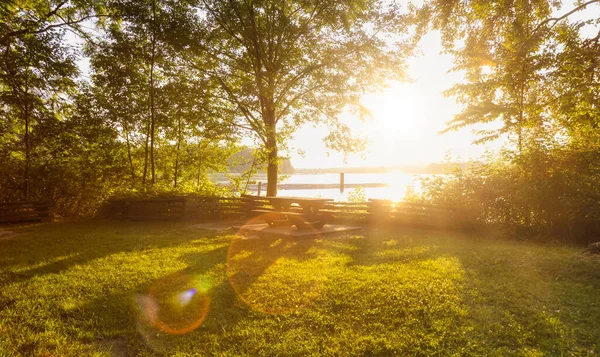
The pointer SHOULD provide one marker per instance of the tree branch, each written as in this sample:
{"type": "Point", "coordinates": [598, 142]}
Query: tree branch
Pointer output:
{"type": "Point", "coordinates": [560, 18]}
{"type": "Point", "coordinates": [4, 39]}
{"type": "Point", "coordinates": [285, 110]}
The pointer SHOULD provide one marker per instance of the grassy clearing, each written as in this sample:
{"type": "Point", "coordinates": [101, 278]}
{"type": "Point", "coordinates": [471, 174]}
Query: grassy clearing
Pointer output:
{"type": "Point", "coordinates": [117, 288]}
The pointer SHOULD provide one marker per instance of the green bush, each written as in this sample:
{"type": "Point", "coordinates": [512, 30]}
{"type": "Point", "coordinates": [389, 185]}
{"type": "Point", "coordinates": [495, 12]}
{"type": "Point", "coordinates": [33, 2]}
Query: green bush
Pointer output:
{"type": "Point", "coordinates": [547, 194]}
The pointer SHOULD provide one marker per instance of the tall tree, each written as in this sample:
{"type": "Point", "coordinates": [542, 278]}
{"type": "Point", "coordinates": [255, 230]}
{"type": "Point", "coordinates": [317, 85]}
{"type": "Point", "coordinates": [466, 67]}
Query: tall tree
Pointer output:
{"type": "Point", "coordinates": [133, 33]}
{"type": "Point", "coordinates": [36, 73]}
{"type": "Point", "coordinates": [576, 86]}
{"type": "Point", "coordinates": [192, 121]}
{"type": "Point", "coordinates": [508, 52]}
{"type": "Point", "coordinates": [120, 86]}
{"type": "Point", "coordinates": [156, 102]}
{"type": "Point", "coordinates": [284, 63]}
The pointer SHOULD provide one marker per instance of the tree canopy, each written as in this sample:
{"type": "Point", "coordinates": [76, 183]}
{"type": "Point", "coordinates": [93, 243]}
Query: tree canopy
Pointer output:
{"type": "Point", "coordinates": [284, 63]}
{"type": "Point", "coordinates": [520, 62]}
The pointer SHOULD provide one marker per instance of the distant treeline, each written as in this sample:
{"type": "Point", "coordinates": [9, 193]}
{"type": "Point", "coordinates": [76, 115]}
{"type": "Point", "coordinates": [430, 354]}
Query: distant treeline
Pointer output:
{"type": "Point", "coordinates": [244, 160]}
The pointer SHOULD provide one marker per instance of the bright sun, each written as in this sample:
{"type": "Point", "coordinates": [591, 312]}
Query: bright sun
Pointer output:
{"type": "Point", "coordinates": [406, 121]}
{"type": "Point", "coordinates": [400, 131]}
{"type": "Point", "coordinates": [396, 113]}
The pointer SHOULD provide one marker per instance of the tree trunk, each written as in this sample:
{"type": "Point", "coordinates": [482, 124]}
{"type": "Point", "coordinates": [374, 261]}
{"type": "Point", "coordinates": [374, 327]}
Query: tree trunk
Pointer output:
{"type": "Point", "coordinates": [26, 137]}
{"type": "Point", "coordinates": [520, 138]}
{"type": "Point", "coordinates": [146, 154]}
{"type": "Point", "coordinates": [129, 157]}
{"type": "Point", "coordinates": [152, 110]}
{"type": "Point", "coordinates": [27, 151]}
{"type": "Point", "coordinates": [178, 148]}
{"type": "Point", "coordinates": [273, 164]}
{"type": "Point", "coordinates": [200, 159]}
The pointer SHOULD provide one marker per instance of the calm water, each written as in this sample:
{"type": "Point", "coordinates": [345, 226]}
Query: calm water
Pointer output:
{"type": "Point", "coordinates": [397, 182]}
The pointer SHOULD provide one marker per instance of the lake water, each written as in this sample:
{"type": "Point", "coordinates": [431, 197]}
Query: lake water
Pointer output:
{"type": "Point", "coordinates": [397, 184]}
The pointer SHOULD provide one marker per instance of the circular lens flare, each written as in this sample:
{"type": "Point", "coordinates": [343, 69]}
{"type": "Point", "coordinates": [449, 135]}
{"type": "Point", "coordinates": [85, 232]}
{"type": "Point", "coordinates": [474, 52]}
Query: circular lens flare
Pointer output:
{"type": "Point", "coordinates": [176, 304]}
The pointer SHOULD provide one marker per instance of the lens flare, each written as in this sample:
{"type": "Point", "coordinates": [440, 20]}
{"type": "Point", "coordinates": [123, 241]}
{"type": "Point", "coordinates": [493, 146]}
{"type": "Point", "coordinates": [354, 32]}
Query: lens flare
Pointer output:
{"type": "Point", "coordinates": [275, 274]}
{"type": "Point", "coordinates": [176, 304]}
{"type": "Point", "coordinates": [186, 296]}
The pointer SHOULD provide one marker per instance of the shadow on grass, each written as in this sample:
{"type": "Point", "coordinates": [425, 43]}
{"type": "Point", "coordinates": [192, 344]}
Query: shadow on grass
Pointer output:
{"type": "Point", "coordinates": [535, 298]}
{"type": "Point", "coordinates": [55, 247]}
{"type": "Point", "coordinates": [375, 248]}
{"type": "Point", "coordinates": [130, 316]}
{"type": "Point", "coordinates": [518, 296]}
{"type": "Point", "coordinates": [123, 324]}
{"type": "Point", "coordinates": [248, 259]}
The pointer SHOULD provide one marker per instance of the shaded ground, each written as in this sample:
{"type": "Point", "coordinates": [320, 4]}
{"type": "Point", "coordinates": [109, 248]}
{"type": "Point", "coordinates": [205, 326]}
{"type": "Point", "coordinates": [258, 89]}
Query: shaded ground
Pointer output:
{"type": "Point", "coordinates": [126, 289]}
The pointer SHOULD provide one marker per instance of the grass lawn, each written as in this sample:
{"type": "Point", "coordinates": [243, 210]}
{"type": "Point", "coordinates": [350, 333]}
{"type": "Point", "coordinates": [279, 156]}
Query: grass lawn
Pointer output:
{"type": "Point", "coordinates": [103, 288]}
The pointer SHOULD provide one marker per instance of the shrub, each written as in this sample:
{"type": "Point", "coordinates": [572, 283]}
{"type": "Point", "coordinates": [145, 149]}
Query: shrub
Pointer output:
{"type": "Point", "coordinates": [548, 194]}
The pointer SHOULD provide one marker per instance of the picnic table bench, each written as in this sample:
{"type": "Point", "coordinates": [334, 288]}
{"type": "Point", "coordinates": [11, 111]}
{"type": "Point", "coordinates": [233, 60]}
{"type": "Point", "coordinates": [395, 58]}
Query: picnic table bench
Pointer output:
{"type": "Point", "coordinates": [306, 215]}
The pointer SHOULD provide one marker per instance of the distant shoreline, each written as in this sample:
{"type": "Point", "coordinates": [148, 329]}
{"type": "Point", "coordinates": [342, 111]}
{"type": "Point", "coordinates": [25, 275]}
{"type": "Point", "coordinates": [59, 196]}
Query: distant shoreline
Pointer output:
{"type": "Point", "coordinates": [315, 186]}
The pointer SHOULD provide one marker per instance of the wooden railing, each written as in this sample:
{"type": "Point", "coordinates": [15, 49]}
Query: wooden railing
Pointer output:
{"type": "Point", "coordinates": [13, 212]}
{"type": "Point", "coordinates": [184, 207]}
{"type": "Point", "coordinates": [146, 209]}
{"type": "Point", "coordinates": [420, 214]}
{"type": "Point", "coordinates": [212, 208]}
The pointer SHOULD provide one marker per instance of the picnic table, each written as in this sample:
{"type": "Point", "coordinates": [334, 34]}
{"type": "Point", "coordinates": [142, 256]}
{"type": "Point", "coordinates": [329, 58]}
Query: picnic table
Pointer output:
{"type": "Point", "coordinates": [308, 215]}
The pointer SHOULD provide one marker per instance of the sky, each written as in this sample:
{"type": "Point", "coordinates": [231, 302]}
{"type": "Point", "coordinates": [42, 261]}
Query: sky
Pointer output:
{"type": "Point", "coordinates": [407, 118]}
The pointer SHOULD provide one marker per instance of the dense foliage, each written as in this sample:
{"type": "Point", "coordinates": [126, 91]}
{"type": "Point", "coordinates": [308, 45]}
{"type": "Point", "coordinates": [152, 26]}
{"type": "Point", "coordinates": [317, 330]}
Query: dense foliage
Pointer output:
{"type": "Point", "coordinates": [174, 87]}
{"type": "Point", "coordinates": [542, 194]}
{"type": "Point", "coordinates": [533, 67]}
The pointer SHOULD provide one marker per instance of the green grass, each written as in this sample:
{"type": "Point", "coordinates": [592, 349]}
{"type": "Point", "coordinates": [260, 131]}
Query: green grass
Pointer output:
{"type": "Point", "coordinates": [104, 288]}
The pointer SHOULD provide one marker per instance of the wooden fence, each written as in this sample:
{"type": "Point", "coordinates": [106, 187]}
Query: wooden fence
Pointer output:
{"type": "Point", "coordinates": [179, 208]}
{"type": "Point", "coordinates": [13, 212]}
{"type": "Point", "coordinates": [213, 208]}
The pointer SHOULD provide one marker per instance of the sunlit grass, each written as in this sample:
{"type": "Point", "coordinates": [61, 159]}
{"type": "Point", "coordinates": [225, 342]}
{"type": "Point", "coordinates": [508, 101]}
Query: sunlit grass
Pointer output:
{"type": "Point", "coordinates": [121, 288]}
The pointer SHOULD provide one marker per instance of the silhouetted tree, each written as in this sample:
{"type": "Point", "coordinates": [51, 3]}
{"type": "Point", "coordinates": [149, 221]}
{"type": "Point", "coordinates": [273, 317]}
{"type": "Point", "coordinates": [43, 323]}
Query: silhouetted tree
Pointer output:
{"type": "Point", "coordinates": [284, 63]}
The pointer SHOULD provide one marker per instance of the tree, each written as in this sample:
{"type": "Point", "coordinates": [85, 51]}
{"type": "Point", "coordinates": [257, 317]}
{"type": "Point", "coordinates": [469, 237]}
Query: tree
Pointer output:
{"type": "Point", "coordinates": [120, 88]}
{"type": "Point", "coordinates": [575, 85]}
{"type": "Point", "coordinates": [85, 161]}
{"type": "Point", "coordinates": [537, 75]}
{"type": "Point", "coordinates": [284, 63]}
{"type": "Point", "coordinates": [158, 104]}
{"type": "Point", "coordinates": [192, 124]}
{"type": "Point", "coordinates": [508, 51]}
{"type": "Point", "coordinates": [35, 76]}
{"type": "Point", "coordinates": [133, 39]}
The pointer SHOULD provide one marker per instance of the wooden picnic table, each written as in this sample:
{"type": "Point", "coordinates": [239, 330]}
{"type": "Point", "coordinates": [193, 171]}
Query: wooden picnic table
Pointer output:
{"type": "Point", "coordinates": [308, 204]}
{"type": "Point", "coordinates": [310, 217]}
